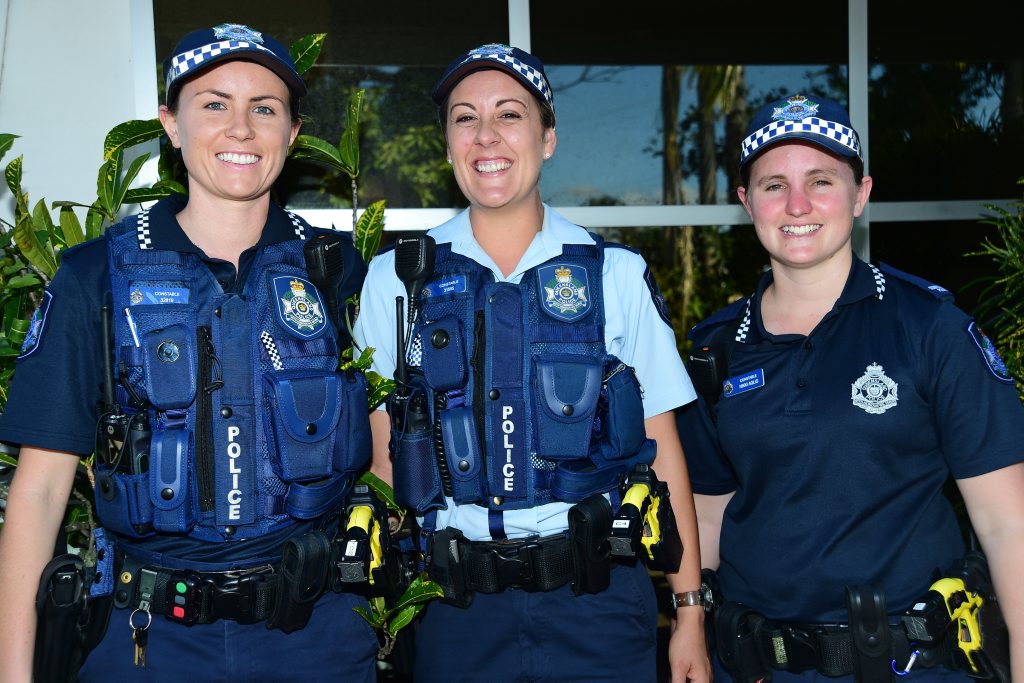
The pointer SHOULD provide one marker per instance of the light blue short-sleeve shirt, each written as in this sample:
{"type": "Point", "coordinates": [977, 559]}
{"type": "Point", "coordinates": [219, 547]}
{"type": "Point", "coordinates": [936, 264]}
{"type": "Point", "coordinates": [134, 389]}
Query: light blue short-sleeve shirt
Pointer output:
{"type": "Point", "coordinates": [634, 331]}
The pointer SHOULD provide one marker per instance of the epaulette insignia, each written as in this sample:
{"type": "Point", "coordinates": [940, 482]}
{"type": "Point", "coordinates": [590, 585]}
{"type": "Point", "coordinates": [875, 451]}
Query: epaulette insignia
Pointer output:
{"type": "Point", "coordinates": [938, 291]}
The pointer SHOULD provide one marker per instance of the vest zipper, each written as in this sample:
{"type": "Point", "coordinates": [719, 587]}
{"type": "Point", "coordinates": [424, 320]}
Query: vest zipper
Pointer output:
{"type": "Point", "coordinates": [477, 363]}
{"type": "Point", "coordinates": [204, 419]}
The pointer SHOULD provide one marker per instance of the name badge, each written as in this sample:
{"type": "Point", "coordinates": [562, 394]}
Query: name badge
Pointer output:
{"type": "Point", "coordinates": [743, 383]}
{"type": "Point", "coordinates": [449, 285]}
{"type": "Point", "coordinates": [158, 295]}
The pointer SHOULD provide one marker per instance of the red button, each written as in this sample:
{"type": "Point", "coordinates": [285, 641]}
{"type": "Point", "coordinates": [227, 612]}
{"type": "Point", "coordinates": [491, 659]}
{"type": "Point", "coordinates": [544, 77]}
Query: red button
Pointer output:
{"type": "Point", "coordinates": [179, 612]}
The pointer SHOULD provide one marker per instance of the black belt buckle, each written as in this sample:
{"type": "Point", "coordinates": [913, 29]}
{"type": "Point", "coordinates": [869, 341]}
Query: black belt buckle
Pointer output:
{"type": "Point", "coordinates": [236, 596]}
{"type": "Point", "coordinates": [514, 566]}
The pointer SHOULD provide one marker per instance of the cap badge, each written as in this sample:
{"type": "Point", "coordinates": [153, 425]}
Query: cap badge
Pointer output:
{"type": "Point", "coordinates": [237, 32]}
{"type": "Point", "coordinates": [797, 108]}
{"type": "Point", "coordinates": [874, 391]}
{"type": "Point", "coordinates": [490, 49]}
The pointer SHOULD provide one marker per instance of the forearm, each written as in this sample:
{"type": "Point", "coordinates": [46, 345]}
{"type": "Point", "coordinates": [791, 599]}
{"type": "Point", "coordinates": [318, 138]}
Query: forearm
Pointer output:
{"type": "Point", "coordinates": [380, 429]}
{"type": "Point", "coordinates": [35, 510]}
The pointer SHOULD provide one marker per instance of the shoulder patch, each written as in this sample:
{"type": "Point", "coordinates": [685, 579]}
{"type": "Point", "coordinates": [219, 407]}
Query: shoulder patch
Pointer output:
{"type": "Point", "coordinates": [989, 354]}
{"type": "Point", "coordinates": [656, 296]}
{"type": "Point", "coordinates": [938, 291]}
{"type": "Point", "coordinates": [36, 326]}
{"type": "Point", "coordinates": [723, 315]}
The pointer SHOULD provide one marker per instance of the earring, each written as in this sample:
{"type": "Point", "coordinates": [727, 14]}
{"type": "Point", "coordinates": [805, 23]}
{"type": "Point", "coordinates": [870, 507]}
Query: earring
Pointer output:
{"type": "Point", "coordinates": [449, 160]}
{"type": "Point", "coordinates": [547, 155]}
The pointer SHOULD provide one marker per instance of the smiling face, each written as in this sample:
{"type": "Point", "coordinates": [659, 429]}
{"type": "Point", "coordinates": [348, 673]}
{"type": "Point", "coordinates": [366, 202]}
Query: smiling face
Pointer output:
{"type": "Point", "coordinates": [233, 126]}
{"type": "Point", "coordinates": [496, 140]}
{"type": "Point", "coordinates": [803, 202]}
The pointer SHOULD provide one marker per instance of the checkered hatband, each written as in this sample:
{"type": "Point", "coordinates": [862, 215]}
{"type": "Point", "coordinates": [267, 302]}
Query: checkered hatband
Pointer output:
{"type": "Point", "coordinates": [835, 132]}
{"type": "Point", "coordinates": [186, 61]}
{"type": "Point", "coordinates": [535, 77]}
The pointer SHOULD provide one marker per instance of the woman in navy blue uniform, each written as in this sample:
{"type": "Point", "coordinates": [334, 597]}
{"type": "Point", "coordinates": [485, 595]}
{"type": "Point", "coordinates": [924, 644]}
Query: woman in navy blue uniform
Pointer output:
{"type": "Point", "coordinates": [243, 438]}
{"type": "Point", "coordinates": [531, 333]}
{"type": "Point", "coordinates": [852, 393]}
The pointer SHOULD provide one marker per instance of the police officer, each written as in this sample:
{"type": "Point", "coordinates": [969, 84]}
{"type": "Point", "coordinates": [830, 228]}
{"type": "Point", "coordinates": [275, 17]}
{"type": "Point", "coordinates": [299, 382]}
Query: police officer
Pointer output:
{"type": "Point", "coordinates": [519, 408]}
{"type": "Point", "coordinates": [241, 439]}
{"type": "Point", "coordinates": [852, 392]}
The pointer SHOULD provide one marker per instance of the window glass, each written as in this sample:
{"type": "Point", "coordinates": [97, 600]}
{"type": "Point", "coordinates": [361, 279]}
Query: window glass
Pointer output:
{"type": "Point", "coordinates": [946, 101]}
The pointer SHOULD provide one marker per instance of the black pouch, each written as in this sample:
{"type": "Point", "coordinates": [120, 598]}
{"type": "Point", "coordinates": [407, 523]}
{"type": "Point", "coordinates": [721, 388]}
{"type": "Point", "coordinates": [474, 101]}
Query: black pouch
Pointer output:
{"type": "Point", "coordinates": [869, 631]}
{"type": "Point", "coordinates": [738, 641]}
{"type": "Point", "coordinates": [304, 565]}
{"type": "Point", "coordinates": [590, 522]}
{"type": "Point", "coordinates": [447, 548]}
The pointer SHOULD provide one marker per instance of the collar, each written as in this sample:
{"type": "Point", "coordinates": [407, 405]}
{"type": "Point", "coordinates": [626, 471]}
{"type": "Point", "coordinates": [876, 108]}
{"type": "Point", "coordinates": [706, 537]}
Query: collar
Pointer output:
{"type": "Point", "coordinates": [556, 231]}
{"type": "Point", "coordinates": [864, 281]}
{"type": "Point", "coordinates": [167, 234]}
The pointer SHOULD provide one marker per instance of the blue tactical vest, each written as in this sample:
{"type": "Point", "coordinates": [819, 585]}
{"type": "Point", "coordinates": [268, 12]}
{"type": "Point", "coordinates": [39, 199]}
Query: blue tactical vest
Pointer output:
{"type": "Point", "coordinates": [251, 425]}
{"type": "Point", "coordinates": [526, 406]}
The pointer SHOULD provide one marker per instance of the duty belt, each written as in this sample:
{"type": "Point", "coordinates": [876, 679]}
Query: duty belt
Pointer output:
{"type": "Point", "coordinates": [246, 596]}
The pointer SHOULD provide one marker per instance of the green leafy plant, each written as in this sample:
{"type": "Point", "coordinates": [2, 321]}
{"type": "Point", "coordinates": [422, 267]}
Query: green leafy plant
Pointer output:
{"type": "Point", "coordinates": [1001, 311]}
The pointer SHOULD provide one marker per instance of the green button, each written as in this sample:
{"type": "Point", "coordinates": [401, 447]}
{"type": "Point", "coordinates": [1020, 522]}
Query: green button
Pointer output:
{"type": "Point", "coordinates": [180, 587]}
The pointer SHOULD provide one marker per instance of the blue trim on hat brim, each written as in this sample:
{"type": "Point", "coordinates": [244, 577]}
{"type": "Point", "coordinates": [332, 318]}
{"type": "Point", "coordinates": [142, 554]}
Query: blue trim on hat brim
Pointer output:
{"type": "Point", "coordinates": [445, 87]}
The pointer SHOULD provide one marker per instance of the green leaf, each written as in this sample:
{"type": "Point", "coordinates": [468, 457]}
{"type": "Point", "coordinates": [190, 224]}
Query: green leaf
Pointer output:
{"type": "Point", "coordinates": [146, 194]}
{"type": "Point", "coordinates": [105, 182]}
{"type": "Point", "coordinates": [121, 185]}
{"type": "Point", "coordinates": [28, 244]}
{"type": "Point", "coordinates": [420, 591]}
{"type": "Point", "coordinates": [319, 150]}
{"type": "Point", "coordinates": [8, 460]}
{"type": "Point", "coordinates": [171, 185]}
{"type": "Point", "coordinates": [43, 231]}
{"type": "Point", "coordinates": [70, 227]}
{"type": "Point", "coordinates": [349, 144]}
{"type": "Point", "coordinates": [129, 134]}
{"type": "Point", "coordinates": [402, 619]}
{"type": "Point", "coordinates": [306, 50]}
{"type": "Point", "coordinates": [20, 281]}
{"type": "Point", "coordinates": [13, 175]}
{"type": "Point", "coordinates": [380, 389]}
{"type": "Point", "coordinates": [368, 230]}
{"type": "Point", "coordinates": [381, 489]}
{"type": "Point", "coordinates": [374, 620]}
{"type": "Point", "coordinates": [6, 140]}
{"type": "Point", "coordinates": [93, 223]}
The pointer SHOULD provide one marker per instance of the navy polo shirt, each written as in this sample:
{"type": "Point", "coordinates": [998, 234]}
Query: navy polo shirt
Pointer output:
{"type": "Point", "coordinates": [837, 445]}
{"type": "Point", "coordinates": [56, 386]}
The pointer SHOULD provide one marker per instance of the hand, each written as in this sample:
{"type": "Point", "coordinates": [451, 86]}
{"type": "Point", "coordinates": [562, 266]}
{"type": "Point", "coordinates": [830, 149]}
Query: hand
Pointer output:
{"type": "Point", "coordinates": [687, 650]}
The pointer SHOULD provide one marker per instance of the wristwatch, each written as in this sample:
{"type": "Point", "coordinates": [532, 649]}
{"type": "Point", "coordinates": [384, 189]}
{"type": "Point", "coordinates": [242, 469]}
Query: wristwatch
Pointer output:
{"type": "Point", "coordinates": [703, 596]}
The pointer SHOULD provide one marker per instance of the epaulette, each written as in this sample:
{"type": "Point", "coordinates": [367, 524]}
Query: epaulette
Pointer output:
{"type": "Point", "coordinates": [937, 291]}
{"type": "Point", "coordinates": [723, 315]}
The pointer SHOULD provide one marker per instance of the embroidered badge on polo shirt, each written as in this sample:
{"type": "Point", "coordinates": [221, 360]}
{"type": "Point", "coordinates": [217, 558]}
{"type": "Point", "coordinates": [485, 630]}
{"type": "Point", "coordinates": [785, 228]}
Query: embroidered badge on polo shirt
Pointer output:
{"type": "Point", "coordinates": [564, 291]}
{"type": "Point", "coordinates": [874, 391]}
{"type": "Point", "coordinates": [36, 326]}
{"type": "Point", "coordinates": [989, 354]}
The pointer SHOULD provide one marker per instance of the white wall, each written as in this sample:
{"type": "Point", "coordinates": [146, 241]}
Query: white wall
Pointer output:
{"type": "Point", "coordinates": [70, 70]}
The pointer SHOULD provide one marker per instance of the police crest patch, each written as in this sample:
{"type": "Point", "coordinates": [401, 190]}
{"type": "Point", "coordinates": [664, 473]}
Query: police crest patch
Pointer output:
{"type": "Point", "coordinates": [874, 391]}
{"type": "Point", "coordinates": [299, 306]}
{"type": "Point", "coordinates": [989, 354]}
{"type": "Point", "coordinates": [656, 296]}
{"type": "Point", "coordinates": [36, 326]}
{"type": "Point", "coordinates": [563, 291]}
